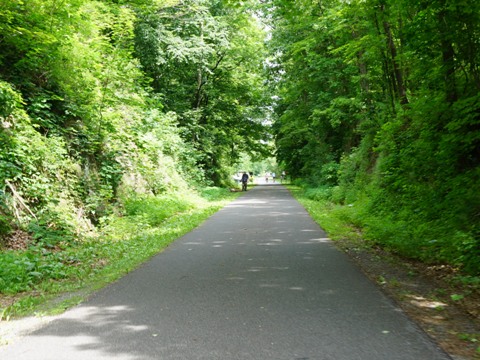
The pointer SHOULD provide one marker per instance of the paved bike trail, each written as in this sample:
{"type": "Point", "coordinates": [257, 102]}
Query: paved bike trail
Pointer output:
{"type": "Point", "coordinates": [258, 280]}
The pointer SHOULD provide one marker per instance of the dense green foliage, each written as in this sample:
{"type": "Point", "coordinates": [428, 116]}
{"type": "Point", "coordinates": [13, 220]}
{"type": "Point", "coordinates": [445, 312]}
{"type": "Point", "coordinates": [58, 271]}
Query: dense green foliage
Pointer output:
{"type": "Point", "coordinates": [379, 106]}
{"type": "Point", "coordinates": [206, 60]}
{"type": "Point", "coordinates": [111, 109]}
{"type": "Point", "coordinates": [77, 120]}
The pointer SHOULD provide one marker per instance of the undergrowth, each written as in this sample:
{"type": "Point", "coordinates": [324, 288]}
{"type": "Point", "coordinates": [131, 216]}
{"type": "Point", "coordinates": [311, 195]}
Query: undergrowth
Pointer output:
{"type": "Point", "coordinates": [429, 242]}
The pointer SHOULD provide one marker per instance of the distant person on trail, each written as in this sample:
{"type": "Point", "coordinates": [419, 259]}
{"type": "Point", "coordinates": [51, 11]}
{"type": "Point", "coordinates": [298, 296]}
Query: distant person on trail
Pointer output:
{"type": "Point", "coordinates": [244, 181]}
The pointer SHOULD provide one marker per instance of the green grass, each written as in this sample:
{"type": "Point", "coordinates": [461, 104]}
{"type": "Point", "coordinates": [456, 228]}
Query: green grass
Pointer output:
{"type": "Point", "coordinates": [401, 231]}
{"type": "Point", "coordinates": [47, 281]}
{"type": "Point", "coordinates": [351, 226]}
{"type": "Point", "coordinates": [331, 217]}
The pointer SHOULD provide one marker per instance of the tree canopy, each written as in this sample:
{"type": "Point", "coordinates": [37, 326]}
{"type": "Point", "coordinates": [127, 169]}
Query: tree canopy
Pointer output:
{"type": "Point", "coordinates": [380, 101]}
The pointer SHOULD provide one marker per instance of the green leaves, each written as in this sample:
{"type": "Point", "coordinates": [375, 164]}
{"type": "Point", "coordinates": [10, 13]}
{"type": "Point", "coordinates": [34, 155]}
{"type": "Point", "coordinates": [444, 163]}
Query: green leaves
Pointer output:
{"type": "Point", "coordinates": [206, 61]}
{"type": "Point", "coordinates": [379, 99]}
{"type": "Point", "coordinates": [76, 132]}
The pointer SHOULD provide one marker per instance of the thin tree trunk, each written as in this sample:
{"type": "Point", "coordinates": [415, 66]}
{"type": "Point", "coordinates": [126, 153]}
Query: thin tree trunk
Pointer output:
{"type": "Point", "coordinates": [388, 76]}
{"type": "Point", "coordinates": [198, 93]}
{"type": "Point", "coordinates": [448, 58]}
{"type": "Point", "coordinates": [400, 86]}
{"type": "Point", "coordinates": [362, 68]}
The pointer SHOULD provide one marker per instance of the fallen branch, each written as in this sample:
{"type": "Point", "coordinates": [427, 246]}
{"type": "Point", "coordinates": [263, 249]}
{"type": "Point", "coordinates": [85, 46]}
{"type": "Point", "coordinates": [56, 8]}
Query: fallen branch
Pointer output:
{"type": "Point", "coordinates": [17, 196]}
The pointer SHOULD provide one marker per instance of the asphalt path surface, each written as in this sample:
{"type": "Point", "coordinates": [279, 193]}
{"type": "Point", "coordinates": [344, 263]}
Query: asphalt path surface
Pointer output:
{"type": "Point", "coordinates": [258, 280]}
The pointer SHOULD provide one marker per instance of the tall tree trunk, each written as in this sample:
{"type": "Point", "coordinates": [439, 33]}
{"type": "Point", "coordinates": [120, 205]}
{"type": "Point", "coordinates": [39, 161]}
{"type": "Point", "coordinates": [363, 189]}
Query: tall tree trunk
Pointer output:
{"type": "Point", "coordinates": [362, 68]}
{"type": "Point", "coordinates": [397, 71]}
{"type": "Point", "coordinates": [198, 92]}
{"type": "Point", "coordinates": [448, 57]}
{"type": "Point", "coordinates": [388, 76]}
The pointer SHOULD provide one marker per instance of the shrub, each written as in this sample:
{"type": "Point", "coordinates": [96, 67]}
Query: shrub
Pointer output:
{"type": "Point", "coordinates": [5, 227]}
{"type": "Point", "coordinates": [318, 194]}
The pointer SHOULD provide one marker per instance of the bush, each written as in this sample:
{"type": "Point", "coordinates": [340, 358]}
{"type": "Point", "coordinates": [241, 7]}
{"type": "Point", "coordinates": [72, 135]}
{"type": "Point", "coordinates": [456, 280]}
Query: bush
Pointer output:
{"type": "Point", "coordinates": [318, 194]}
{"type": "Point", "coordinates": [5, 227]}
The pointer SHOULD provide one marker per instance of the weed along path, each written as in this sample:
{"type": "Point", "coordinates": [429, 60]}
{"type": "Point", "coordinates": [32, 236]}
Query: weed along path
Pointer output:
{"type": "Point", "coordinates": [258, 280]}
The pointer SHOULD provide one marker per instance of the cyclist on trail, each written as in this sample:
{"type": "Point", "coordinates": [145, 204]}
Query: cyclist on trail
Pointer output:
{"type": "Point", "coordinates": [244, 181]}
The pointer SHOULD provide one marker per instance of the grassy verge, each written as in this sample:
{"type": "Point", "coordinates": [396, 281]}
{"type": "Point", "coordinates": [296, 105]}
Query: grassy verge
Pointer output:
{"type": "Point", "coordinates": [454, 325]}
{"type": "Point", "coordinates": [47, 280]}
{"type": "Point", "coordinates": [356, 223]}
{"type": "Point", "coordinates": [340, 223]}
{"type": "Point", "coordinates": [332, 217]}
